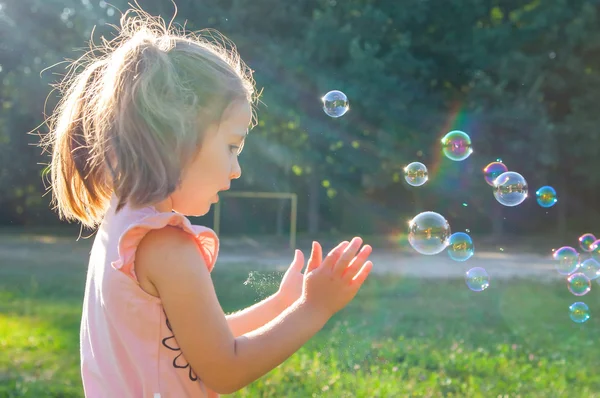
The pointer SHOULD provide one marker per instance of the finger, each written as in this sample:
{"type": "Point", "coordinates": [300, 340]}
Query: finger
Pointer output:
{"type": "Point", "coordinates": [357, 262]}
{"type": "Point", "coordinates": [338, 249]}
{"type": "Point", "coordinates": [347, 256]}
{"type": "Point", "coordinates": [316, 257]}
{"type": "Point", "coordinates": [362, 275]}
{"type": "Point", "coordinates": [298, 262]}
{"type": "Point", "coordinates": [333, 256]}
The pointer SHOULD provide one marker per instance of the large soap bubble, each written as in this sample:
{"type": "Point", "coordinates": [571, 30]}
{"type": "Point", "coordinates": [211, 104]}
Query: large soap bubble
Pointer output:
{"type": "Point", "coordinates": [510, 188]}
{"type": "Point", "coordinates": [428, 233]}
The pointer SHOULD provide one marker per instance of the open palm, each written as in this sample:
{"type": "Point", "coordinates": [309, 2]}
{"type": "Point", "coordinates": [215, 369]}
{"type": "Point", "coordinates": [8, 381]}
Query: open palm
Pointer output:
{"type": "Point", "coordinates": [292, 282]}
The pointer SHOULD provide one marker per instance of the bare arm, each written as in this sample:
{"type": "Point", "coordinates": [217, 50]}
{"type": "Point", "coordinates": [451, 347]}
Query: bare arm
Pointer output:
{"type": "Point", "coordinates": [224, 363]}
{"type": "Point", "coordinates": [255, 316]}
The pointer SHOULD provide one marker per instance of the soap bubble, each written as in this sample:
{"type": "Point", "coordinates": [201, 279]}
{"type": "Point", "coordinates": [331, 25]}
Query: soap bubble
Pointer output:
{"type": "Point", "coordinates": [586, 242]}
{"type": "Point", "coordinates": [335, 103]}
{"type": "Point", "coordinates": [510, 188]}
{"type": "Point", "coordinates": [460, 247]}
{"type": "Point", "coordinates": [492, 171]}
{"type": "Point", "coordinates": [579, 312]}
{"type": "Point", "coordinates": [566, 260]}
{"type": "Point", "coordinates": [415, 174]}
{"type": "Point", "coordinates": [546, 196]}
{"type": "Point", "coordinates": [590, 268]}
{"type": "Point", "coordinates": [578, 284]}
{"type": "Point", "coordinates": [457, 145]}
{"type": "Point", "coordinates": [477, 279]}
{"type": "Point", "coordinates": [595, 253]}
{"type": "Point", "coordinates": [428, 233]}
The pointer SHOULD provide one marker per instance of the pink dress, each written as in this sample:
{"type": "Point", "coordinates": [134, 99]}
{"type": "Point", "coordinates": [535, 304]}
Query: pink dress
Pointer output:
{"type": "Point", "coordinates": [127, 346]}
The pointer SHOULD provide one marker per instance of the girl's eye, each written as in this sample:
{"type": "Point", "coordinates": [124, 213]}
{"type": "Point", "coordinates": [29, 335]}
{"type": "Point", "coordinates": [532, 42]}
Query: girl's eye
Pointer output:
{"type": "Point", "coordinates": [234, 149]}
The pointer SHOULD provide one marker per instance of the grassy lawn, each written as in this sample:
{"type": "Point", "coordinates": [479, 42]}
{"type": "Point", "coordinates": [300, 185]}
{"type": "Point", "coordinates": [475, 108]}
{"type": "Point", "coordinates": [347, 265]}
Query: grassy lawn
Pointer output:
{"type": "Point", "coordinates": [400, 337]}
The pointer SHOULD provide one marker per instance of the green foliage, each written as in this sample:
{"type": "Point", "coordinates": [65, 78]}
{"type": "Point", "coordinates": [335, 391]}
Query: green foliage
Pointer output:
{"type": "Point", "coordinates": [520, 77]}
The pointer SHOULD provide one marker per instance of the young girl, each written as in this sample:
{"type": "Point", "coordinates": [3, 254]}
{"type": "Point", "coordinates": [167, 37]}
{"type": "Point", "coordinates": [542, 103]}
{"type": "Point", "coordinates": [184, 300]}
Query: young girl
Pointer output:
{"type": "Point", "coordinates": [147, 133]}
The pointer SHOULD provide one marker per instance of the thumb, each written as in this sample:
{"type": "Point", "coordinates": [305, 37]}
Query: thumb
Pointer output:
{"type": "Point", "coordinates": [298, 261]}
{"type": "Point", "coordinates": [316, 257]}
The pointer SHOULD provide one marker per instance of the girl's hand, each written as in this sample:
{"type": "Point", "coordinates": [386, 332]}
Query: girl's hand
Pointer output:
{"type": "Point", "coordinates": [290, 289]}
{"type": "Point", "coordinates": [330, 284]}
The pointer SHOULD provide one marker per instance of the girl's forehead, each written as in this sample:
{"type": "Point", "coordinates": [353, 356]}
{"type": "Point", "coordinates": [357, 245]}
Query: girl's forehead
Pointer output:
{"type": "Point", "coordinates": [235, 121]}
{"type": "Point", "coordinates": [240, 113]}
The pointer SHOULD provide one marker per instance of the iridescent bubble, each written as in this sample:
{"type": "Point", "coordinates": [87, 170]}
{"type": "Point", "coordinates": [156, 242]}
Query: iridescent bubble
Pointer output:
{"type": "Point", "coordinates": [546, 196]}
{"type": "Point", "coordinates": [586, 241]}
{"type": "Point", "coordinates": [460, 247]}
{"type": "Point", "coordinates": [566, 260]}
{"type": "Point", "coordinates": [428, 233]}
{"type": "Point", "coordinates": [510, 188]}
{"type": "Point", "coordinates": [579, 312]}
{"type": "Point", "coordinates": [590, 268]}
{"type": "Point", "coordinates": [415, 174]}
{"type": "Point", "coordinates": [335, 103]}
{"type": "Point", "coordinates": [578, 284]}
{"type": "Point", "coordinates": [477, 279]}
{"type": "Point", "coordinates": [457, 145]}
{"type": "Point", "coordinates": [595, 253]}
{"type": "Point", "coordinates": [492, 171]}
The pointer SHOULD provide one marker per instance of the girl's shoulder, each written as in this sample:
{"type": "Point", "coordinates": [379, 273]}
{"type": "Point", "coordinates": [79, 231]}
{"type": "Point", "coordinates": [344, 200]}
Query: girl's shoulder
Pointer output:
{"type": "Point", "coordinates": [135, 224]}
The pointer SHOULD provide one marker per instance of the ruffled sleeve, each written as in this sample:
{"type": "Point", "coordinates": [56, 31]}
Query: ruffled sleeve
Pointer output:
{"type": "Point", "coordinates": [205, 238]}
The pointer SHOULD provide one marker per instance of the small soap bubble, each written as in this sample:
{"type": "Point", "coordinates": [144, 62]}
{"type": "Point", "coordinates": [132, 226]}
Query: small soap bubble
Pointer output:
{"type": "Point", "coordinates": [579, 312]}
{"type": "Point", "coordinates": [566, 260]}
{"type": "Point", "coordinates": [590, 268]}
{"type": "Point", "coordinates": [477, 279]}
{"type": "Point", "coordinates": [546, 196]}
{"type": "Point", "coordinates": [510, 189]}
{"type": "Point", "coordinates": [460, 247]}
{"type": "Point", "coordinates": [493, 171]}
{"type": "Point", "coordinates": [415, 174]}
{"type": "Point", "coordinates": [335, 103]}
{"type": "Point", "coordinates": [457, 145]}
{"type": "Point", "coordinates": [428, 233]}
{"type": "Point", "coordinates": [586, 241]}
{"type": "Point", "coordinates": [578, 284]}
{"type": "Point", "coordinates": [595, 253]}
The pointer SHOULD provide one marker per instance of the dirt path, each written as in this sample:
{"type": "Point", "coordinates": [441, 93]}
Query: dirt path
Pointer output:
{"type": "Point", "coordinates": [498, 264]}
{"type": "Point", "coordinates": [16, 249]}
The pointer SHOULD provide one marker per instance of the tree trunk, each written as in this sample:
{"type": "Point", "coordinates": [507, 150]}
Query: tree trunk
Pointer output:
{"type": "Point", "coordinates": [280, 216]}
{"type": "Point", "coordinates": [313, 202]}
{"type": "Point", "coordinates": [497, 221]}
{"type": "Point", "coordinates": [281, 209]}
{"type": "Point", "coordinates": [562, 211]}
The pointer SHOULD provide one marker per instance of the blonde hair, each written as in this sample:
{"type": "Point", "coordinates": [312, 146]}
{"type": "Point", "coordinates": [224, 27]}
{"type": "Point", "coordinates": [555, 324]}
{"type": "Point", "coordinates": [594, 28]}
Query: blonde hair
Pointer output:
{"type": "Point", "coordinates": [135, 116]}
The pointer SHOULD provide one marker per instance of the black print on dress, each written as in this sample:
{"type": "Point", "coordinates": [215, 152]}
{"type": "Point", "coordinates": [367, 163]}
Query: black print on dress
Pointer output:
{"type": "Point", "coordinates": [179, 361]}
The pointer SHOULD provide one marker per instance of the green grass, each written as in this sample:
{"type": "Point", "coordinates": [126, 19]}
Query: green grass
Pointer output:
{"type": "Point", "coordinates": [399, 337]}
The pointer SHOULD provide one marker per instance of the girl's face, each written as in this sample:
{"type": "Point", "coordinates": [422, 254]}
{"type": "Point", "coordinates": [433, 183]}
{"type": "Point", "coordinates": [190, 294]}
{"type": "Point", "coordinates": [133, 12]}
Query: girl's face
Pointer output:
{"type": "Point", "coordinates": [214, 167]}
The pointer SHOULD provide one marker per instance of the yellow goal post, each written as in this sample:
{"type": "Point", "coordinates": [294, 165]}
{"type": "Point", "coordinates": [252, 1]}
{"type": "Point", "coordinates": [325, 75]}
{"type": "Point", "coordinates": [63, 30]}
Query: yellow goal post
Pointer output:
{"type": "Point", "coordinates": [260, 195]}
